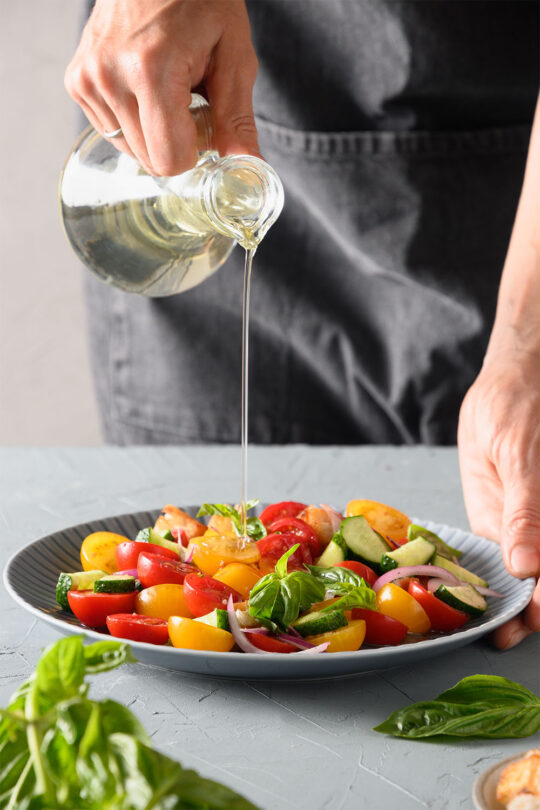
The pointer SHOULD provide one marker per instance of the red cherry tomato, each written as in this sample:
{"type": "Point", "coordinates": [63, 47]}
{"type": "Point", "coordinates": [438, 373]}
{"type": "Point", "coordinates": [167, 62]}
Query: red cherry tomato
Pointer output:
{"type": "Point", "coordinates": [154, 570]}
{"type": "Point", "coordinates": [364, 571]}
{"type": "Point", "coordinates": [204, 594]}
{"type": "Point", "coordinates": [270, 644]}
{"type": "Point", "coordinates": [127, 553]}
{"type": "Point", "coordinates": [92, 608]}
{"type": "Point", "coordinates": [273, 546]}
{"type": "Point", "coordinates": [380, 629]}
{"type": "Point", "coordinates": [443, 617]}
{"type": "Point", "coordinates": [138, 628]}
{"type": "Point", "coordinates": [300, 528]}
{"type": "Point", "coordinates": [281, 510]}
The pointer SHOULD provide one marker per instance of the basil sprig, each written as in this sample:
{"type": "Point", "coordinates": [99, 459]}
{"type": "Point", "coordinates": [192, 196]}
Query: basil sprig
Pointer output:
{"type": "Point", "coordinates": [478, 706]}
{"type": "Point", "coordinates": [353, 589]}
{"type": "Point", "coordinates": [278, 598]}
{"type": "Point", "coordinates": [59, 749]}
{"type": "Point", "coordinates": [255, 528]}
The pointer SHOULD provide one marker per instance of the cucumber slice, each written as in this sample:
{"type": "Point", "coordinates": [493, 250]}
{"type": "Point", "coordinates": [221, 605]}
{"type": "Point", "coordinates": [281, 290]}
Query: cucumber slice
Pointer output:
{"type": "Point", "coordinates": [115, 583]}
{"type": "Point", "coordinates": [151, 535]}
{"type": "Point", "coordinates": [320, 622]}
{"type": "Point", "coordinates": [335, 552]}
{"type": "Point", "coordinates": [76, 581]}
{"type": "Point", "coordinates": [365, 544]}
{"type": "Point", "coordinates": [461, 573]}
{"type": "Point", "coordinates": [443, 548]}
{"type": "Point", "coordinates": [462, 597]}
{"type": "Point", "coordinates": [415, 552]}
{"type": "Point", "coordinates": [217, 618]}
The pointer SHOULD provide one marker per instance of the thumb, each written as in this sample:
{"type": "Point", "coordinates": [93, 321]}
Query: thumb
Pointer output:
{"type": "Point", "coordinates": [520, 539]}
{"type": "Point", "coordinates": [230, 89]}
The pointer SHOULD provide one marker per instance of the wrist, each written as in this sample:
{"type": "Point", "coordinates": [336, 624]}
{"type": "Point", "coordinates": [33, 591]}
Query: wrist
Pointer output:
{"type": "Point", "coordinates": [517, 322]}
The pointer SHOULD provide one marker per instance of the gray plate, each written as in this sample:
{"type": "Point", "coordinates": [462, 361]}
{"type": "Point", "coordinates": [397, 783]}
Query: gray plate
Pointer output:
{"type": "Point", "coordinates": [31, 574]}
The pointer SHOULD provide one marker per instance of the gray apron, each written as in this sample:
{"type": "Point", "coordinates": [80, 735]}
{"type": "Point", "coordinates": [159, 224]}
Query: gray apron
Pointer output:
{"type": "Point", "coordinates": [400, 132]}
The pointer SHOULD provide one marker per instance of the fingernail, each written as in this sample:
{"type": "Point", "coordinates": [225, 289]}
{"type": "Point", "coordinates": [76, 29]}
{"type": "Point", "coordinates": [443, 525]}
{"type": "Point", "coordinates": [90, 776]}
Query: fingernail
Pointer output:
{"type": "Point", "coordinates": [524, 561]}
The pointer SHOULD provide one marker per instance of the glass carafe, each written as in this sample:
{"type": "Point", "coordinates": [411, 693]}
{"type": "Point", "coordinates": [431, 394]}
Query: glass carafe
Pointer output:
{"type": "Point", "coordinates": [163, 235]}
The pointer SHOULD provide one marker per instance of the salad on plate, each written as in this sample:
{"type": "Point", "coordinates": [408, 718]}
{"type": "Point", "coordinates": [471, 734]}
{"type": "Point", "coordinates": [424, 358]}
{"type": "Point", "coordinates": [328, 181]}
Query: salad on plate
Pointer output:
{"type": "Point", "coordinates": [297, 579]}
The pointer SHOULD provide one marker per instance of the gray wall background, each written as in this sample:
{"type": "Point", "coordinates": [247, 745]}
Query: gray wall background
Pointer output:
{"type": "Point", "coordinates": [46, 395]}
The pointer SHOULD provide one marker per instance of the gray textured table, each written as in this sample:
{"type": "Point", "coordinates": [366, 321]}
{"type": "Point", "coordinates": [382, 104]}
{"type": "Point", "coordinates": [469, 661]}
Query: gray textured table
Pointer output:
{"type": "Point", "coordinates": [296, 746]}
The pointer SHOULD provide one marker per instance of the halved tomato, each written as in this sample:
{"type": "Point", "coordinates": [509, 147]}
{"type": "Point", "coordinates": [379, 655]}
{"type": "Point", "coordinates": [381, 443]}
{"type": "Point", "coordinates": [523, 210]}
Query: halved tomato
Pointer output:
{"type": "Point", "coordinates": [92, 609]}
{"type": "Point", "coordinates": [281, 510]}
{"type": "Point", "coordinates": [138, 628]}
{"type": "Point", "coordinates": [443, 617]}
{"type": "Point", "coordinates": [155, 570]}
{"type": "Point", "coordinates": [301, 529]}
{"type": "Point", "coordinates": [273, 546]}
{"type": "Point", "coordinates": [205, 594]}
{"type": "Point", "coordinates": [127, 553]}
{"type": "Point", "coordinates": [380, 629]}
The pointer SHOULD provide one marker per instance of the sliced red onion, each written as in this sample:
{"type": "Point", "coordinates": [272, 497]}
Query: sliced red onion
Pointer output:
{"type": "Point", "coordinates": [336, 518]}
{"type": "Point", "coordinates": [246, 645]}
{"type": "Point", "coordinates": [238, 635]}
{"type": "Point", "coordinates": [129, 572]}
{"type": "Point", "coordinates": [434, 583]}
{"type": "Point", "coordinates": [320, 648]}
{"type": "Point", "coordinates": [180, 535]}
{"type": "Point", "coordinates": [297, 641]}
{"type": "Point", "coordinates": [415, 571]}
{"type": "Point", "coordinates": [186, 554]}
{"type": "Point", "coordinates": [261, 631]}
{"type": "Point", "coordinates": [487, 591]}
{"type": "Point", "coordinates": [292, 631]}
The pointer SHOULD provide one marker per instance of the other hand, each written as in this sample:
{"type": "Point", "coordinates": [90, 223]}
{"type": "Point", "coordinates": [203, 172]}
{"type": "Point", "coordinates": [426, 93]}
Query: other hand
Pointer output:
{"type": "Point", "coordinates": [499, 452]}
{"type": "Point", "coordinates": [138, 61]}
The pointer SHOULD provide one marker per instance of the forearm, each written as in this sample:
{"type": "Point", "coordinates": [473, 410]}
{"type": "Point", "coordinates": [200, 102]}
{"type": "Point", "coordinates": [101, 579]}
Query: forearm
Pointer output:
{"type": "Point", "coordinates": [517, 322]}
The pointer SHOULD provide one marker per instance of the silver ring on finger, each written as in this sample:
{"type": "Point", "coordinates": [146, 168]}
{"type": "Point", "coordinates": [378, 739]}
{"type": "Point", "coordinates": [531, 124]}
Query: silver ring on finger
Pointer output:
{"type": "Point", "coordinates": [114, 133]}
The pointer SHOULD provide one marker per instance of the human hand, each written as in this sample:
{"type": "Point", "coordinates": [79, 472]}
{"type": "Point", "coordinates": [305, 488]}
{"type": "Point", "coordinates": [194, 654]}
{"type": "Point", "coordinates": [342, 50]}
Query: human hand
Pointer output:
{"type": "Point", "coordinates": [499, 453]}
{"type": "Point", "coordinates": [138, 61]}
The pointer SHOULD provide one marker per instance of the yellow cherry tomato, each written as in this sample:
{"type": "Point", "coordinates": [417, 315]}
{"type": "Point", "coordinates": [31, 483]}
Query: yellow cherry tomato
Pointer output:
{"type": "Point", "coordinates": [192, 635]}
{"type": "Point", "coordinates": [98, 551]}
{"type": "Point", "coordinates": [399, 604]}
{"type": "Point", "coordinates": [345, 639]}
{"type": "Point", "coordinates": [162, 601]}
{"type": "Point", "coordinates": [215, 551]}
{"type": "Point", "coordinates": [384, 519]}
{"type": "Point", "coordinates": [239, 576]}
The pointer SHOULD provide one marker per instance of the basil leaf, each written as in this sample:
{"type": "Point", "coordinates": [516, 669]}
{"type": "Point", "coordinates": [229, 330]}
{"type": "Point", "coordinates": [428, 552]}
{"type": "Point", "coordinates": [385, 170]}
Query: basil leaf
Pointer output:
{"type": "Point", "coordinates": [255, 528]}
{"type": "Point", "coordinates": [65, 750]}
{"type": "Point", "coordinates": [486, 706]}
{"type": "Point", "coordinates": [358, 596]}
{"type": "Point", "coordinates": [355, 592]}
{"type": "Point", "coordinates": [278, 599]}
{"type": "Point", "coordinates": [490, 688]}
{"type": "Point", "coordinates": [60, 671]}
{"type": "Point", "coordinates": [163, 784]}
{"type": "Point", "coordinates": [308, 589]}
{"type": "Point", "coordinates": [335, 575]}
{"type": "Point", "coordinates": [266, 601]}
{"type": "Point", "coordinates": [105, 655]}
{"type": "Point", "coordinates": [281, 565]}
